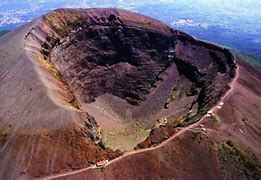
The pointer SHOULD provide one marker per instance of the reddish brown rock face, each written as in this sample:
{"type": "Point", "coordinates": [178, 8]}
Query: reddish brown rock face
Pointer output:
{"type": "Point", "coordinates": [114, 58]}
{"type": "Point", "coordinates": [107, 54]}
{"type": "Point", "coordinates": [110, 78]}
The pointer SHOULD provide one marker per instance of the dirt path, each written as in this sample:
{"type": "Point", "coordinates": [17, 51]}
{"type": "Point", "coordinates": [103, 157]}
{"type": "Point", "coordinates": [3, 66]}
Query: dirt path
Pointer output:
{"type": "Point", "coordinates": [126, 154]}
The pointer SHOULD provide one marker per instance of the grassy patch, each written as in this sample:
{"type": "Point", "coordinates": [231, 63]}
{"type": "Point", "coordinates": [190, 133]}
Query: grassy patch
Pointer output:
{"type": "Point", "coordinates": [250, 168]}
{"type": "Point", "coordinates": [216, 118]}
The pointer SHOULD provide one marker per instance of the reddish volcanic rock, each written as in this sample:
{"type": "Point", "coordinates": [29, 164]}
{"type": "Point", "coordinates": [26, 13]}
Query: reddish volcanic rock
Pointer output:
{"type": "Point", "coordinates": [82, 83]}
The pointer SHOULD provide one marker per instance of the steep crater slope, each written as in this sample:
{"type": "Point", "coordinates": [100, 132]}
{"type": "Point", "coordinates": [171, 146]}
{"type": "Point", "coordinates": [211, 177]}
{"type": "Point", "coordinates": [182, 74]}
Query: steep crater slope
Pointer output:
{"type": "Point", "coordinates": [134, 72]}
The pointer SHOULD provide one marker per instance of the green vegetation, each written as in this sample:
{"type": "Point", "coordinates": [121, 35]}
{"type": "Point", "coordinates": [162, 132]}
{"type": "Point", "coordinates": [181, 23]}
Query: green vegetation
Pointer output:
{"type": "Point", "coordinates": [99, 169]}
{"type": "Point", "coordinates": [250, 168]}
{"type": "Point", "coordinates": [253, 60]}
{"type": "Point", "coordinates": [3, 32]}
{"type": "Point", "coordinates": [197, 136]}
{"type": "Point", "coordinates": [215, 118]}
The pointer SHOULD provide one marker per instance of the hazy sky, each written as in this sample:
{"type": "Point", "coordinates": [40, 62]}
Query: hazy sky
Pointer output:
{"type": "Point", "coordinates": [242, 15]}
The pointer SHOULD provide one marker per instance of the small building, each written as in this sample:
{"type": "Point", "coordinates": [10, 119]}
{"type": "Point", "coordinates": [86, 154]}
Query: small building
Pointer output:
{"type": "Point", "coordinates": [102, 163]}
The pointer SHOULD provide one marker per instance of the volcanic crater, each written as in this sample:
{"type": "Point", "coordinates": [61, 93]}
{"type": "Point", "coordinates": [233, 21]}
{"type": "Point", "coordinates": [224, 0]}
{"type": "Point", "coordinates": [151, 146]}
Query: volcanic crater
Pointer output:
{"type": "Point", "coordinates": [134, 71]}
{"type": "Point", "coordinates": [121, 80]}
